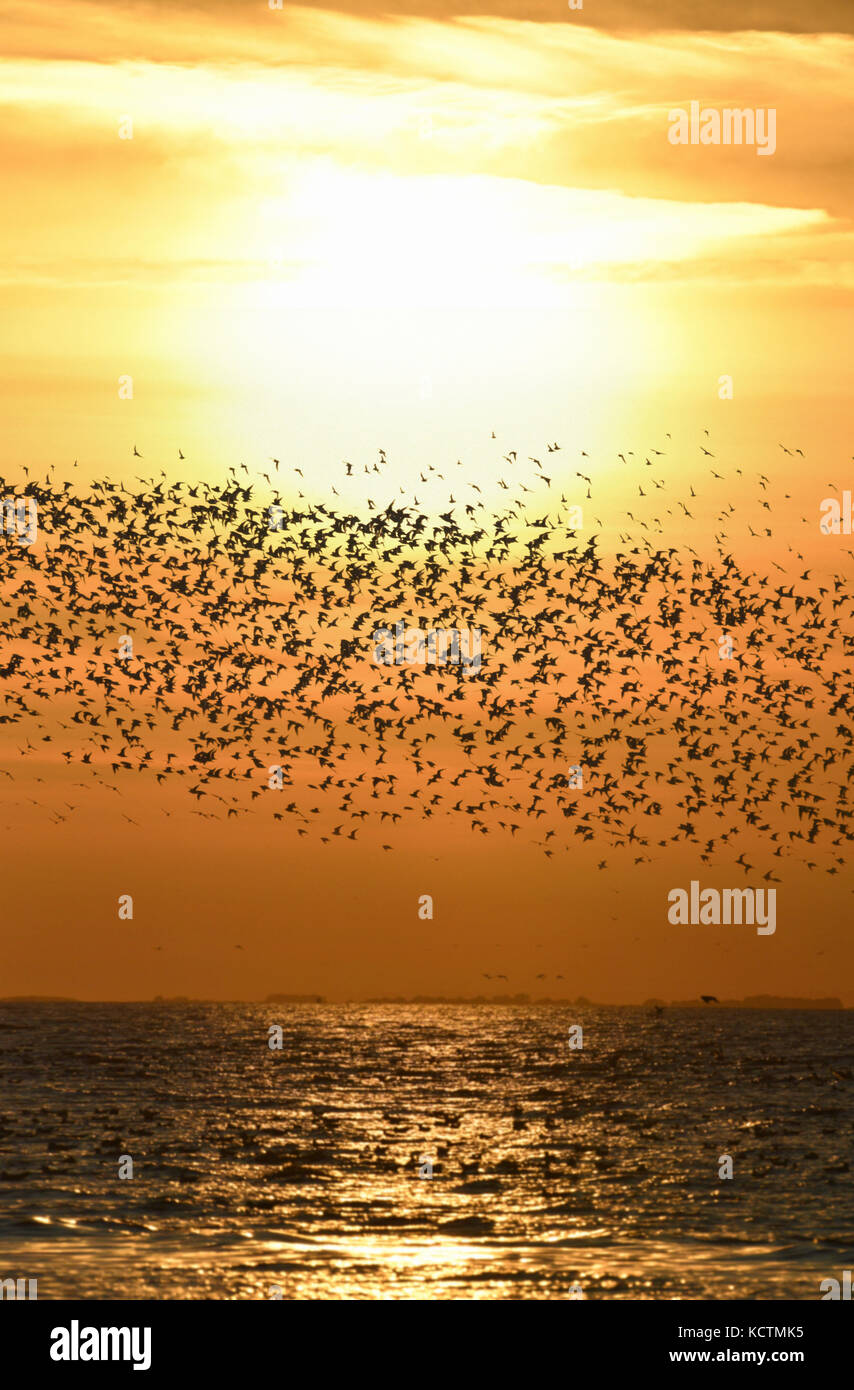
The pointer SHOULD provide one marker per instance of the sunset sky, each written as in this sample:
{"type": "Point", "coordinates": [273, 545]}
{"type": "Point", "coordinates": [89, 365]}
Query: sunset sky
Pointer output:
{"type": "Point", "coordinates": [334, 231]}
{"type": "Point", "coordinates": [431, 222]}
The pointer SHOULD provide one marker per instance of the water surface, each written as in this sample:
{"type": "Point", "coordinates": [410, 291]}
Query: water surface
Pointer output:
{"type": "Point", "coordinates": [297, 1171]}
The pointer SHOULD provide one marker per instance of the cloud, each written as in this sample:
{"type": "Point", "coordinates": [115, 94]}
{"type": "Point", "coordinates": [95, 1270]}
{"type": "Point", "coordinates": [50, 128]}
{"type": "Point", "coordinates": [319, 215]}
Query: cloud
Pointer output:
{"type": "Point", "coordinates": [159, 31]}
{"type": "Point", "coordinates": [233, 109]}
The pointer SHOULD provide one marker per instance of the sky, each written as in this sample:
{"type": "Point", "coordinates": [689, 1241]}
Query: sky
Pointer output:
{"type": "Point", "coordinates": [440, 221]}
{"type": "Point", "coordinates": [309, 234]}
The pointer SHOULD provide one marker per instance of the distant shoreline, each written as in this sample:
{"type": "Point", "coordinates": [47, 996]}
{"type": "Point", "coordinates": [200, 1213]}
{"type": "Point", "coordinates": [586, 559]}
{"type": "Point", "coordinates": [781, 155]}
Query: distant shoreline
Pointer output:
{"type": "Point", "coordinates": [752, 1002]}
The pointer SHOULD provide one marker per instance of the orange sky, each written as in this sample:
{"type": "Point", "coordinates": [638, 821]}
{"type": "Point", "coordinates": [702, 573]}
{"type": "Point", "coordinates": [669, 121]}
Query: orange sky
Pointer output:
{"type": "Point", "coordinates": [335, 231]}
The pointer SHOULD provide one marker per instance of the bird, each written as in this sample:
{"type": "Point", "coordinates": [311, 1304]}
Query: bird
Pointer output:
{"type": "Point", "coordinates": [599, 650]}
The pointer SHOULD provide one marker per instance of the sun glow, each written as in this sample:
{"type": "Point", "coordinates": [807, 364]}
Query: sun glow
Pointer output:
{"type": "Point", "coordinates": [343, 236]}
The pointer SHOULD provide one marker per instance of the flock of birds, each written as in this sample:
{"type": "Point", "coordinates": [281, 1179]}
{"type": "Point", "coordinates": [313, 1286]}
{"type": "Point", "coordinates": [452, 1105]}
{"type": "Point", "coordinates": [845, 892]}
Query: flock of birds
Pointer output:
{"type": "Point", "coordinates": [253, 649]}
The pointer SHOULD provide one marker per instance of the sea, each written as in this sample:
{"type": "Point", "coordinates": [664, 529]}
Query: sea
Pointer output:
{"type": "Point", "coordinates": [393, 1151]}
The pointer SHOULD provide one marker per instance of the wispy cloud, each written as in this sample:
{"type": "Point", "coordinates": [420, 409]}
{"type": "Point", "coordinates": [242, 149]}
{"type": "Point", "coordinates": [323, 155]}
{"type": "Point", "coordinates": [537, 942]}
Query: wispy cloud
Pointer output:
{"type": "Point", "coordinates": [506, 123]}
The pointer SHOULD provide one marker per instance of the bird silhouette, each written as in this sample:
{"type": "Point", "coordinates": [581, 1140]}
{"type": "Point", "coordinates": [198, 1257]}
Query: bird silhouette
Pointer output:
{"type": "Point", "coordinates": [600, 652]}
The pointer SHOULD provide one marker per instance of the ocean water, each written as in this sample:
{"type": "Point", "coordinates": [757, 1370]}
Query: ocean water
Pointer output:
{"type": "Point", "coordinates": [295, 1173]}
